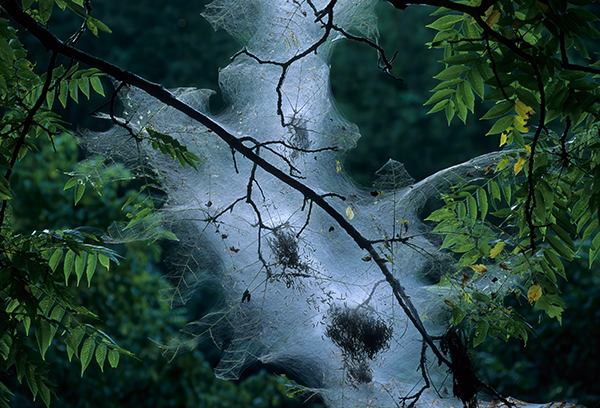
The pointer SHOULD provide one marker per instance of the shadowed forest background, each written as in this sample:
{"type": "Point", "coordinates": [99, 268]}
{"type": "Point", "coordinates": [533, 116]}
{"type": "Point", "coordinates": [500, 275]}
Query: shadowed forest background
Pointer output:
{"type": "Point", "coordinates": [170, 43]}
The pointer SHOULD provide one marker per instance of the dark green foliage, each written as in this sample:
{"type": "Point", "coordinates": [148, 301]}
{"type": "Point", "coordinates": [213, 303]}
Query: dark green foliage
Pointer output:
{"type": "Point", "coordinates": [560, 361]}
{"type": "Point", "coordinates": [170, 43]}
{"type": "Point", "coordinates": [126, 302]}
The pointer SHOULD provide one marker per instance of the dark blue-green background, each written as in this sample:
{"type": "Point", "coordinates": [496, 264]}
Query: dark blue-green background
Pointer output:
{"type": "Point", "coordinates": [169, 42]}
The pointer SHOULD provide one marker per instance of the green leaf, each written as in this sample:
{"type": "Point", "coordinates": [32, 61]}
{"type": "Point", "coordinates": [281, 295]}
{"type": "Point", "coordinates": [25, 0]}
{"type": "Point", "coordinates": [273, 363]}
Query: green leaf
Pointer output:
{"type": "Point", "coordinates": [101, 26]}
{"type": "Point", "coordinates": [84, 86]}
{"type": "Point", "coordinates": [476, 82]}
{"type": "Point", "coordinates": [80, 264]}
{"type": "Point", "coordinates": [101, 352]}
{"type": "Point", "coordinates": [501, 125]}
{"type": "Point", "coordinates": [113, 358]}
{"type": "Point", "coordinates": [467, 96]}
{"type": "Point", "coordinates": [527, 98]}
{"type": "Point", "coordinates": [472, 207]}
{"type": "Point", "coordinates": [469, 46]}
{"type": "Point", "coordinates": [169, 235]}
{"type": "Point", "coordinates": [46, 9]}
{"type": "Point", "coordinates": [481, 330]}
{"type": "Point", "coordinates": [27, 324]}
{"type": "Point", "coordinates": [87, 353]}
{"type": "Point", "coordinates": [30, 377]}
{"type": "Point", "coordinates": [62, 93]}
{"type": "Point", "coordinates": [5, 343]}
{"type": "Point", "coordinates": [564, 235]}
{"type": "Point", "coordinates": [44, 391]}
{"type": "Point", "coordinates": [439, 95]}
{"type": "Point", "coordinates": [481, 297]}
{"type": "Point", "coordinates": [56, 316]}
{"type": "Point", "coordinates": [494, 190]}
{"type": "Point", "coordinates": [461, 108]}
{"type": "Point", "coordinates": [73, 90]}
{"type": "Point", "coordinates": [447, 84]}
{"type": "Point", "coordinates": [92, 262]}
{"type": "Point", "coordinates": [469, 258]}
{"type": "Point", "coordinates": [73, 340]}
{"type": "Point", "coordinates": [50, 97]}
{"type": "Point", "coordinates": [571, 75]}
{"type": "Point", "coordinates": [528, 81]}
{"type": "Point", "coordinates": [445, 22]}
{"type": "Point", "coordinates": [43, 335]}
{"type": "Point", "coordinates": [441, 214]}
{"type": "Point", "coordinates": [555, 261]}
{"type": "Point", "coordinates": [460, 59]}
{"type": "Point", "coordinates": [79, 191]}
{"type": "Point", "coordinates": [507, 189]}
{"type": "Point", "coordinates": [70, 183]}
{"type": "Point", "coordinates": [449, 111]}
{"type": "Point", "coordinates": [439, 106]}
{"type": "Point", "coordinates": [21, 365]}
{"type": "Point", "coordinates": [457, 316]}
{"type": "Point", "coordinates": [560, 248]}
{"type": "Point", "coordinates": [483, 202]}
{"type": "Point", "coordinates": [580, 46]}
{"type": "Point", "coordinates": [55, 259]}
{"type": "Point", "coordinates": [451, 72]}
{"type": "Point", "coordinates": [92, 27]}
{"type": "Point", "coordinates": [592, 256]}
{"type": "Point", "coordinates": [104, 260]}
{"type": "Point", "coordinates": [500, 94]}
{"type": "Point", "coordinates": [97, 85]}
{"type": "Point", "coordinates": [6, 51]}
{"type": "Point", "coordinates": [499, 109]}
{"type": "Point", "coordinates": [69, 265]}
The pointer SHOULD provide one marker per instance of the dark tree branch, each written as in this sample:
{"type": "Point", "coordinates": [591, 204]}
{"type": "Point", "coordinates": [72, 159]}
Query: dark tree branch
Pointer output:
{"type": "Point", "coordinates": [530, 202]}
{"type": "Point", "coordinates": [51, 42]}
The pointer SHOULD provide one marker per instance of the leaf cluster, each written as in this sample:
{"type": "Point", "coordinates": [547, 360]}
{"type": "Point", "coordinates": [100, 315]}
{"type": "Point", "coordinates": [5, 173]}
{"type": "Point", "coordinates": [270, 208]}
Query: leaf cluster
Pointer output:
{"type": "Point", "coordinates": [35, 269]}
{"type": "Point", "coordinates": [37, 304]}
{"type": "Point", "coordinates": [536, 205]}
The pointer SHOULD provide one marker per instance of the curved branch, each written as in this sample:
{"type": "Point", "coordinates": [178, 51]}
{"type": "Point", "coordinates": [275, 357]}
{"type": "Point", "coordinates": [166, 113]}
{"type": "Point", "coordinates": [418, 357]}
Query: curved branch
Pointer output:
{"type": "Point", "coordinates": [50, 41]}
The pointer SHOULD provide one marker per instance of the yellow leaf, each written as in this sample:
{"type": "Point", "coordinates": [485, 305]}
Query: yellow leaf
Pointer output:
{"type": "Point", "coordinates": [520, 124]}
{"type": "Point", "coordinates": [519, 165]}
{"type": "Point", "coordinates": [497, 249]}
{"type": "Point", "coordinates": [349, 213]}
{"type": "Point", "coordinates": [534, 293]}
{"type": "Point", "coordinates": [523, 110]}
{"type": "Point", "coordinates": [338, 166]}
{"type": "Point", "coordinates": [504, 137]}
{"type": "Point", "coordinates": [479, 268]}
{"type": "Point", "coordinates": [528, 149]}
{"type": "Point", "coordinates": [503, 163]}
{"type": "Point", "coordinates": [449, 303]}
{"type": "Point", "coordinates": [493, 18]}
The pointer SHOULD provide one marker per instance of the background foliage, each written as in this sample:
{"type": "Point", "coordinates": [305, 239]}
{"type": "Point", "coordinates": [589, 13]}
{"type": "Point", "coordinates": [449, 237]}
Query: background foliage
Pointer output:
{"type": "Point", "coordinates": [160, 42]}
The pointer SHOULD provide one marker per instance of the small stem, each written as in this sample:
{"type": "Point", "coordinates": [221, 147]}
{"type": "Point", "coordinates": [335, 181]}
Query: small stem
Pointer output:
{"type": "Point", "coordinates": [27, 123]}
